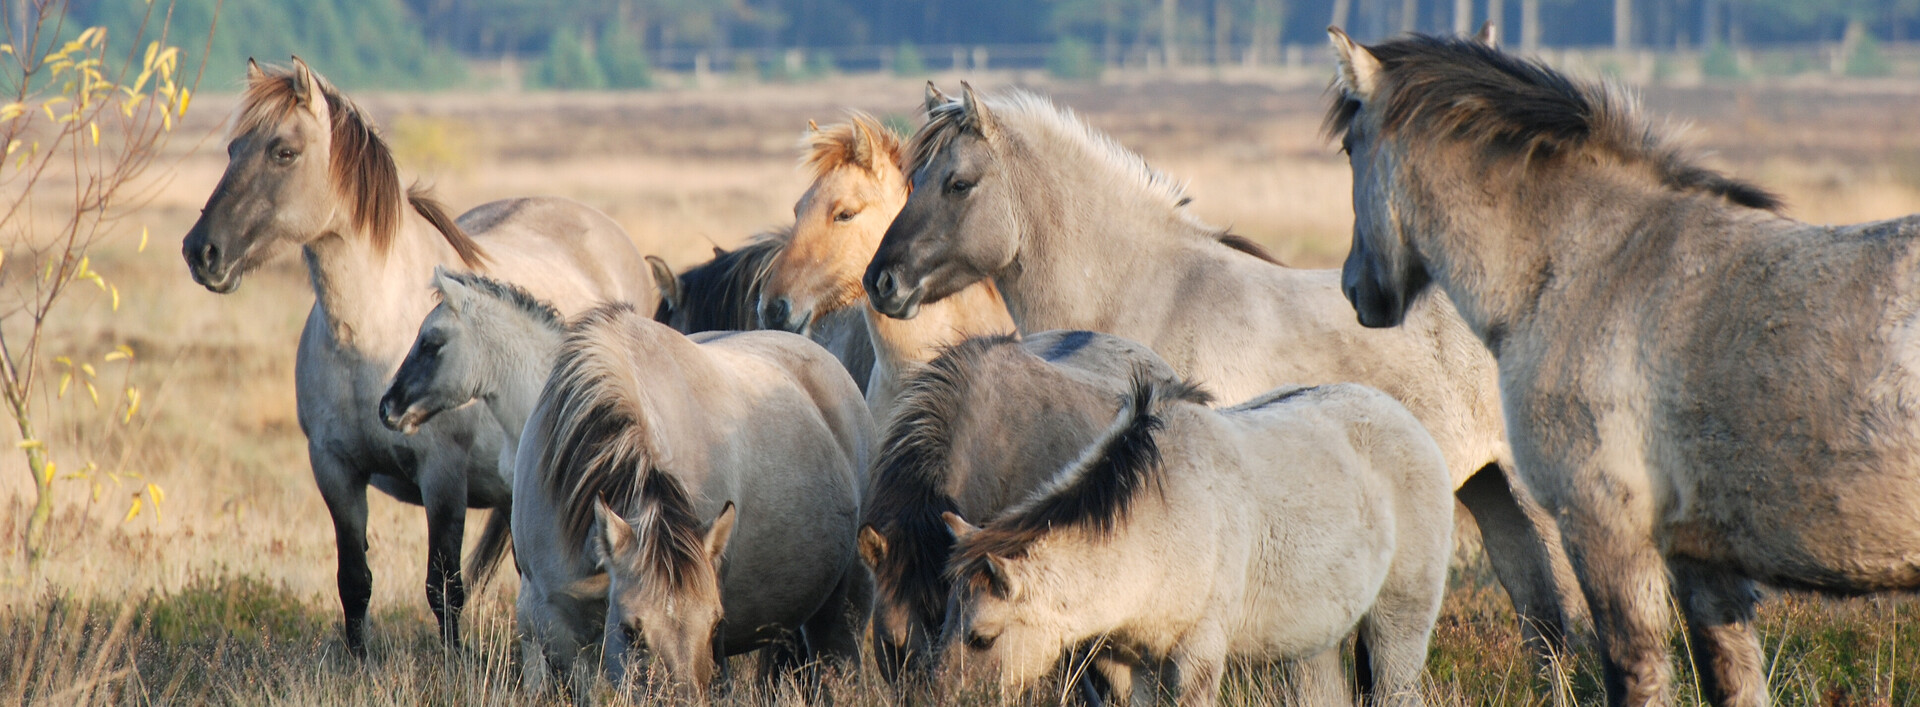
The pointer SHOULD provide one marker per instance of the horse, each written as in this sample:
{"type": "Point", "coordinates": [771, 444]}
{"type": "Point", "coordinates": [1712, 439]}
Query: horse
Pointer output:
{"type": "Point", "coordinates": [697, 495]}
{"type": "Point", "coordinates": [1683, 367]}
{"type": "Point", "coordinates": [488, 342]}
{"type": "Point", "coordinates": [305, 167]}
{"type": "Point", "coordinates": [857, 190]}
{"type": "Point", "coordinates": [975, 430]}
{"type": "Point", "coordinates": [1186, 535]}
{"type": "Point", "coordinates": [722, 294]}
{"type": "Point", "coordinates": [1079, 233]}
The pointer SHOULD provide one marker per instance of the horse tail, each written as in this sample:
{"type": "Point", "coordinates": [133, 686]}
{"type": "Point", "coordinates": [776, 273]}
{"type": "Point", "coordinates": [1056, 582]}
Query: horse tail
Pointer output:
{"type": "Point", "coordinates": [494, 543]}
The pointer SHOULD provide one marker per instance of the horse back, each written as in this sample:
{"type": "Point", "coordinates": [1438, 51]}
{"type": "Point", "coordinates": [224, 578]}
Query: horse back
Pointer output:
{"type": "Point", "coordinates": [562, 250]}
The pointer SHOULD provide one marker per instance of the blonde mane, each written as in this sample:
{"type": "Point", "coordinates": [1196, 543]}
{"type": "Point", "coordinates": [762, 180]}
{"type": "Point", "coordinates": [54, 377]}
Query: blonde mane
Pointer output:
{"type": "Point", "coordinates": [860, 142]}
{"type": "Point", "coordinates": [360, 165]}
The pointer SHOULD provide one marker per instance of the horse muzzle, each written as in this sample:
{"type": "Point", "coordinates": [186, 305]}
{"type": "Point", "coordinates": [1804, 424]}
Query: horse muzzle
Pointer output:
{"type": "Point", "coordinates": [404, 420]}
{"type": "Point", "coordinates": [890, 294]}
{"type": "Point", "coordinates": [778, 314]}
{"type": "Point", "coordinates": [206, 264]}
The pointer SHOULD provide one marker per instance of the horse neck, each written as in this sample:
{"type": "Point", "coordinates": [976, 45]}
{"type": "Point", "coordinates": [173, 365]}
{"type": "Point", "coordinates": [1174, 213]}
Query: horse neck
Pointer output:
{"type": "Point", "coordinates": [1087, 248]}
{"type": "Point", "coordinates": [902, 345]}
{"type": "Point", "coordinates": [520, 356]}
{"type": "Point", "coordinates": [1493, 256]}
{"type": "Point", "coordinates": [373, 302]}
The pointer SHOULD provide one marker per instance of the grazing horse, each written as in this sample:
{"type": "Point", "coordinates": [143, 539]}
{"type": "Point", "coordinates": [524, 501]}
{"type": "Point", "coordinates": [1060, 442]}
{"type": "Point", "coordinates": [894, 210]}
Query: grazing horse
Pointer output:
{"type": "Point", "coordinates": [1707, 394]}
{"type": "Point", "coordinates": [857, 190]}
{"type": "Point", "coordinates": [722, 294]}
{"type": "Point", "coordinates": [975, 430]}
{"type": "Point", "coordinates": [306, 168]}
{"type": "Point", "coordinates": [643, 448]}
{"type": "Point", "coordinates": [1079, 233]}
{"type": "Point", "coordinates": [1186, 536]}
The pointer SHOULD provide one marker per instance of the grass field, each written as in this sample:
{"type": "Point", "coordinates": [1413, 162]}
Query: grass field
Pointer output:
{"type": "Point", "coordinates": [225, 594]}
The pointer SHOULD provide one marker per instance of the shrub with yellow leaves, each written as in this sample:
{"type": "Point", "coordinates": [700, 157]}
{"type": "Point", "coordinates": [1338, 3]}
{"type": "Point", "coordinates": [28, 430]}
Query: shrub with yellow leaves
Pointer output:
{"type": "Point", "coordinates": [62, 104]}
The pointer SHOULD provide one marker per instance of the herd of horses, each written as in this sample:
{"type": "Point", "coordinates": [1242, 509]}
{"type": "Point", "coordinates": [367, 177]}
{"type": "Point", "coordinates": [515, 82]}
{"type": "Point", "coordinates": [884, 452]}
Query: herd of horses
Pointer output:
{"type": "Point", "coordinates": [1000, 404]}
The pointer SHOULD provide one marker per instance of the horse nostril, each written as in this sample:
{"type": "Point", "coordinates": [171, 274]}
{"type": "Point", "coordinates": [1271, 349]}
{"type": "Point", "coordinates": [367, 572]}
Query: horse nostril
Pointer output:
{"type": "Point", "coordinates": [777, 313]}
{"type": "Point", "coordinates": [884, 285]}
{"type": "Point", "coordinates": [209, 254]}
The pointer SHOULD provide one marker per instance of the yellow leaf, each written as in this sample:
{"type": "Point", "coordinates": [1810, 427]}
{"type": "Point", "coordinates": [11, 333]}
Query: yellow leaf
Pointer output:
{"type": "Point", "coordinates": [48, 476]}
{"type": "Point", "coordinates": [133, 404]}
{"type": "Point", "coordinates": [154, 492]}
{"type": "Point", "coordinates": [65, 378]}
{"type": "Point", "coordinates": [118, 352]}
{"type": "Point", "coordinates": [143, 240]}
{"type": "Point", "coordinates": [186, 96]}
{"type": "Point", "coordinates": [96, 493]}
{"type": "Point", "coordinates": [12, 110]}
{"type": "Point", "coordinates": [95, 128]}
{"type": "Point", "coordinates": [88, 367]}
{"type": "Point", "coordinates": [92, 393]}
{"type": "Point", "coordinates": [30, 444]}
{"type": "Point", "coordinates": [134, 510]}
{"type": "Point", "coordinates": [116, 297]}
{"type": "Point", "coordinates": [64, 361]}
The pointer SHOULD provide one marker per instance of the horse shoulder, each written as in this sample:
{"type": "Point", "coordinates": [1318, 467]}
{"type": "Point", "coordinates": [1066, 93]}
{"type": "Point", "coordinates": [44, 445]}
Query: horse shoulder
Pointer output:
{"type": "Point", "coordinates": [562, 250]}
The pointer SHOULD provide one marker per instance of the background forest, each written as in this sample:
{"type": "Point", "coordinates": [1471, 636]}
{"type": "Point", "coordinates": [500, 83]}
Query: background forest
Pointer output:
{"type": "Point", "coordinates": [591, 44]}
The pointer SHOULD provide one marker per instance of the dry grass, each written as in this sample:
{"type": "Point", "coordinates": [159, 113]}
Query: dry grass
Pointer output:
{"type": "Point", "coordinates": [227, 596]}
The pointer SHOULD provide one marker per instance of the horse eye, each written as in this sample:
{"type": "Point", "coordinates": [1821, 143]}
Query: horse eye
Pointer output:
{"type": "Point", "coordinates": [978, 642]}
{"type": "Point", "coordinates": [845, 216]}
{"type": "Point", "coordinates": [959, 186]}
{"type": "Point", "coordinates": [284, 155]}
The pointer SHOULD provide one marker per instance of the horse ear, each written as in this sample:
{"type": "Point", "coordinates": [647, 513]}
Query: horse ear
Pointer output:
{"type": "Point", "coordinates": [873, 547]}
{"type": "Point", "coordinates": [812, 127]}
{"type": "Point", "coordinates": [254, 72]}
{"type": "Point", "coordinates": [978, 117]}
{"type": "Point", "coordinates": [307, 90]}
{"type": "Point", "coordinates": [958, 526]}
{"type": "Point", "coordinates": [452, 291]}
{"type": "Point", "coordinates": [611, 533]}
{"type": "Point", "coordinates": [860, 152]}
{"type": "Point", "coordinates": [665, 281]}
{"type": "Point", "coordinates": [934, 98]}
{"type": "Point", "coordinates": [1488, 35]}
{"type": "Point", "coordinates": [1359, 69]}
{"type": "Point", "coordinates": [719, 533]}
{"type": "Point", "coordinates": [998, 578]}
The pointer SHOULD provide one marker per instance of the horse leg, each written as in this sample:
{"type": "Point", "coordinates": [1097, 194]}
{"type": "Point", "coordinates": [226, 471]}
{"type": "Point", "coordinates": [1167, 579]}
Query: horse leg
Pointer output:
{"type": "Point", "coordinates": [444, 492]}
{"type": "Point", "coordinates": [1390, 651]}
{"type": "Point", "coordinates": [1317, 680]}
{"type": "Point", "coordinates": [345, 491]}
{"type": "Point", "coordinates": [1718, 607]}
{"type": "Point", "coordinates": [1523, 546]}
{"type": "Point", "coordinates": [833, 632]}
{"type": "Point", "coordinates": [1197, 670]}
{"type": "Point", "coordinates": [1625, 581]}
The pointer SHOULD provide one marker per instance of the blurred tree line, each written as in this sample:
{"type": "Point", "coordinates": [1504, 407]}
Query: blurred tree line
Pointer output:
{"type": "Point", "coordinates": [615, 43]}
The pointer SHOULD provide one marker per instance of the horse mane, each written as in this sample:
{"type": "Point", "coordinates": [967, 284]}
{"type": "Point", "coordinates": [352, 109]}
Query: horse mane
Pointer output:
{"type": "Point", "coordinates": [601, 442]}
{"type": "Point", "coordinates": [1062, 126]}
{"type": "Point", "coordinates": [1032, 111]}
{"type": "Point", "coordinates": [512, 295]}
{"type": "Point", "coordinates": [360, 165]}
{"type": "Point", "coordinates": [1094, 492]}
{"type": "Point", "coordinates": [838, 145]}
{"type": "Point", "coordinates": [722, 294]}
{"type": "Point", "coordinates": [910, 474]}
{"type": "Point", "coordinates": [672, 546]}
{"type": "Point", "coordinates": [1246, 245]}
{"type": "Point", "coordinates": [1521, 108]}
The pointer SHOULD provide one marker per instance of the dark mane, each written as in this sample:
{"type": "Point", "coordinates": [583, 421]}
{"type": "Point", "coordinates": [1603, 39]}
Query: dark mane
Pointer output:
{"type": "Point", "coordinates": [672, 546]}
{"type": "Point", "coordinates": [909, 476]}
{"type": "Point", "coordinates": [722, 294]}
{"type": "Point", "coordinates": [511, 294]}
{"type": "Point", "coordinates": [360, 164]}
{"type": "Point", "coordinates": [599, 442]}
{"type": "Point", "coordinates": [1519, 108]}
{"type": "Point", "coordinates": [1093, 493]}
{"type": "Point", "coordinates": [1246, 245]}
